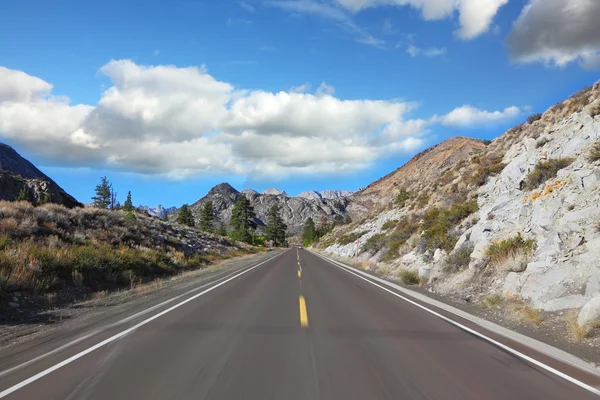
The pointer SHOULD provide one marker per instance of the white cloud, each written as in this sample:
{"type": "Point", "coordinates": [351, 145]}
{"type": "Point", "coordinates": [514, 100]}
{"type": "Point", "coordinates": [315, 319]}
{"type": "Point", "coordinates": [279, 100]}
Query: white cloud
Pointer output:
{"type": "Point", "coordinates": [246, 6]}
{"type": "Point", "coordinates": [182, 122]}
{"type": "Point", "coordinates": [331, 12]}
{"type": "Point", "coordinates": [325, 89]}
{"type": "Point", "coordinates": [415, 51]}
{"type": "Point", "coordinates": [468, 116]}
{"type": "Point", "coordinates": [300, 88]}
{"type": "Point", "coordinates": [475, 16]}
{"type": "Point", "coordinates": [557, 32]}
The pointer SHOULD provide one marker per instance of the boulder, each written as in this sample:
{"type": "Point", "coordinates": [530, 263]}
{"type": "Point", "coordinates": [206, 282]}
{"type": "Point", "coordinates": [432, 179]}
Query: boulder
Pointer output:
{"type": "Point", "coordinates": [590, 311]}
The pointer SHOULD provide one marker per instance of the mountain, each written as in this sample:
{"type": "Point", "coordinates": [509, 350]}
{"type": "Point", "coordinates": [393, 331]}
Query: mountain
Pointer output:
{"type": "Point", "coordinates": [249, 191]}
{"type": "Point", "coordinates": [311, 195]}
{"type": "Point", "coordinates": [517, 217]}
{"type": "Point", "coordinates": [294, 210]}
{"type": "Point", "coordinates": [159, 211]}
{"type": "Point", "coordinates": [275, 192]}
{"type": "Point", "coordinates": [325, 194]}
{"type": "Point", "coordinates": [17, 173]}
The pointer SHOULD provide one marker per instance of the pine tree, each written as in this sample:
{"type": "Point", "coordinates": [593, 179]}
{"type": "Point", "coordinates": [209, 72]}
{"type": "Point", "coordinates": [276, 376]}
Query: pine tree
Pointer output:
{"type": "Point", "coordinates": [221, 230]}
{"type": "Point", "coordinates": [276, 228]}
{"type": "Point", "coordinates": [185, 216]}
{"type": "Point", "coordinates": [104, 192]}
{"type": "Point", "coordinates": [242, 220]}
{"type": "Point", "coordinates": [207, 217]}
{"type": "Point", "coordinates": [23, 194]}
{"type": "Point", "coordinates": [309, 234]}
{"type": "Point", "coordinates": [165, 217]}
{"type": "Point", "coordinates": [128, 205]}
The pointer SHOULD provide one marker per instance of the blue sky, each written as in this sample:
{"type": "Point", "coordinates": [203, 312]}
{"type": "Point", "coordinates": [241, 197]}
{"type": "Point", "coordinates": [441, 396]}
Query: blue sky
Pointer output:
{"type": "Point", "coordinates": [296, 75]}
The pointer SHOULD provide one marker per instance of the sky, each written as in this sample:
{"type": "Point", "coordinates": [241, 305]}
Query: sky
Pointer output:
{"type": "Point", "coordinates": [169, 98]}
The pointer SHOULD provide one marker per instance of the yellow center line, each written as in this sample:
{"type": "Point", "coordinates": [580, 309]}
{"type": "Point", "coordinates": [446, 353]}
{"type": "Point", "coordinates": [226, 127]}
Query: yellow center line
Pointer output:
{"type": "Point", "coordinates": [303, 314]}
{"type": "Point", "coordinates": [299, 274]}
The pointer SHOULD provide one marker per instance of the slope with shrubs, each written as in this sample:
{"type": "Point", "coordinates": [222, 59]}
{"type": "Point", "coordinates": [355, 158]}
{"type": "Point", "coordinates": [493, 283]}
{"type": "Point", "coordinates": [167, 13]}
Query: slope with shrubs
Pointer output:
{"type": "Point", "coordinates": [517, 216]}
{"type": "Point", "coordinates": [52, 248]}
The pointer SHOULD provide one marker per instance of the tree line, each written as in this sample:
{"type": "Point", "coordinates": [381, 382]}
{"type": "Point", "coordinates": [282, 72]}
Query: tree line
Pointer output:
{"type": "Point", "coordinates": [312, 233]}
{"type": "Point", "coordinates": [242, 222]}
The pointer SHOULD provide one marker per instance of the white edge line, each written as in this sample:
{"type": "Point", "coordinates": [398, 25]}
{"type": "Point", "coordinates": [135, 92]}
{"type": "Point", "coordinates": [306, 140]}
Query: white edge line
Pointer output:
{"type": "Point", "coordinates": [119, 335]}
{"type": "Point", "coordinates": [471, 331]}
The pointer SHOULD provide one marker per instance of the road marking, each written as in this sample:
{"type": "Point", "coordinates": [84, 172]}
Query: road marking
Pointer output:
{"type": "Point", "coordinates": [299, 273]}
{"type": "Point", "coordinates": [303, 314]}
{"type": "Point", "coordinates": [471, 331]}
{"type": "Point", "coordinates": [119, 335]}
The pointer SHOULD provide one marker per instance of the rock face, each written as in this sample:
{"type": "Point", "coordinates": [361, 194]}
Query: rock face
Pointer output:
{"type": "Point", "coordinates": [159, 211]}
{"type": "Point", "coordinates": [325, 194]}
{"type": "Point", "coordinates": [17, 173]}
{"type": "Point", "coordinates": [561, 216]}
{"type": "Point", "coordinates": [294, 210]}
{"type": "Point", "coordinates": [275, 192]}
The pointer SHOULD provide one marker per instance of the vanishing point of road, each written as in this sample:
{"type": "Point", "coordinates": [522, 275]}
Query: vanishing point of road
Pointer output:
{"type": "Point", "coordinates": [294, 327]}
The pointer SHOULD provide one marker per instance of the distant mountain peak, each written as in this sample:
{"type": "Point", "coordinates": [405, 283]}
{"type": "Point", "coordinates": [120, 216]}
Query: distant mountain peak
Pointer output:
{"type": "Point", "coordinates": [275, 192]}
{"type": "Point", "coordinates": [223, 188]}
{"type": "Point", "coordinates": [325, 194]}
{"type": "Point", "coordinates": [249, 191]}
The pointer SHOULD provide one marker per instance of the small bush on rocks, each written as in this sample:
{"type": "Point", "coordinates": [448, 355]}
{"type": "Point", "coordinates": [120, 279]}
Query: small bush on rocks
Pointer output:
{"type": "Point", "coordinates": [459, 259]}
{"type": "Point", "coordinates": [409, 277]}
{"type": "Point", "coordinates": [500, 251]}
{"type": "Point", "coordinates": [544, 170]}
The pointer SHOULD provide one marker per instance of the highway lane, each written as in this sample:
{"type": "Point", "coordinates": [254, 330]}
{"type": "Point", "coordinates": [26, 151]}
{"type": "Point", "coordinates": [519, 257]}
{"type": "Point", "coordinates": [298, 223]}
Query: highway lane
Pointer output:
{"type": "Point", "coordinates": [276, 333]}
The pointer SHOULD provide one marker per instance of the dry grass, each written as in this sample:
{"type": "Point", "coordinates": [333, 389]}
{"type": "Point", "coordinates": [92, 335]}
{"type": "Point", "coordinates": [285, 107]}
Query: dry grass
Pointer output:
{"type": "Point", "coordinates": [515, 261]}
{"type": "Point", "coordinates": [492, 300]}
{"type": "Point", "coordinates": [409, 277]}
{"type": "Point", "coordinates": [577, 332]}
{"type": "Point", "coordinates": [525, 313]}
{"type": "Point", "coordinates": [511, 254]}
{"type": "Point", "coordinates": [51, 247]}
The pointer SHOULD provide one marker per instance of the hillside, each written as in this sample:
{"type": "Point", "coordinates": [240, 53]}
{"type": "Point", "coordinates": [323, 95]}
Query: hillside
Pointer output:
{"type": "Point", "coordinates": [517, 218]}
{"type": "Point", "coordinates": [17, 173]}
{"type": "Point", "coordinates": [294, 210]}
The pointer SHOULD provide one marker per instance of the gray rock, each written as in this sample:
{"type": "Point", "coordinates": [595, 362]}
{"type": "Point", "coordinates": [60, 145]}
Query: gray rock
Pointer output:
{"type": "Point", "coordinates": [590, 311]}
{"type": "Point", "coordinates": [18, 294]}
{"type": "Point", "coordinates": [13, 305]}
{"type": "Point", "coordinates": [14, 299]}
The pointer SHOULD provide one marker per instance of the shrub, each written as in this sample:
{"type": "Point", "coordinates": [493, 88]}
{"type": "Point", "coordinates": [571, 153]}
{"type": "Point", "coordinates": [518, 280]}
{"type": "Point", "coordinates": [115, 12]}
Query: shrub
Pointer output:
{"type": "Point", "coordinates": [402, 197]}
{"type": "Point", "coordinates": [374, 243]}
{"type": "Point", "coordinates": [532, 118]}
{"type": "Point", "coordinates": [594, 154]}
{"type": "Point", "coordinates": [437, 224]}
{"type": "Point", "coordinates": [594, 110]}
{"type": "Point", "coordinates": [404, 230]}
{"type": "Point", "coordinates": [350, 238]}
{"type": "Point", "coordinates": [389, 224]}
{"type": "Point", "coordinates": [502, 250]}
{"type": "Point", "coordinates": [422, 201]}
{"type": "Point", "coordinates": [485, 167]}
{"type": "Point", "coordinates": [460, 258]}
{"type": "Point", "coordinates": [409, 277]}
{"type": "Point", "coordinates": [491, 300]}
{"type": "Point", "coordinates": [544, 170]}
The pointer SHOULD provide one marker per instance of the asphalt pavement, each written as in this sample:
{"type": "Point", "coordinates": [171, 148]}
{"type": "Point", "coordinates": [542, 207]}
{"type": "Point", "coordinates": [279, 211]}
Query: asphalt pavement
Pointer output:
{"type": "Point", "coordinates": [295, 327]}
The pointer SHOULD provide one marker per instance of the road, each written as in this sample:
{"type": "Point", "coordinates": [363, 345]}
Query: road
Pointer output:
{"type": "Point", "coordinates": [275, 333]}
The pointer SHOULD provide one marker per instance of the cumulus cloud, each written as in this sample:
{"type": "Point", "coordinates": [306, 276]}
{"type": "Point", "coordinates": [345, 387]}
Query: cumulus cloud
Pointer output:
{"type": "Point", "coordinates": [557, 32]}
{"type": "Point", "coordinates": [183, 122]}
{"type": "Point", "coordinates": [475, 16]}
{"type": "Point", "coordinates": [469, 116]}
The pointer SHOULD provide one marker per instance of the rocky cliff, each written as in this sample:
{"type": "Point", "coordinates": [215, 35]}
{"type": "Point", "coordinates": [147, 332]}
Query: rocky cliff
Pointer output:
{"type": "Point", "coordinates": [517, 217]}
{"type": "Point", "coordinates": [16, 174]}
{"type": "Point", "coordinates": [294, 210]}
